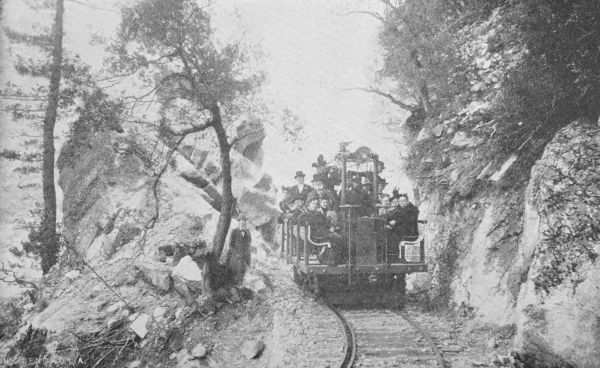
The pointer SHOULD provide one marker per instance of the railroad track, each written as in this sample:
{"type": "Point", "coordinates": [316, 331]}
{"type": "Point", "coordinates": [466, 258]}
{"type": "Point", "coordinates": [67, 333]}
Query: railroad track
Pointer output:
{"type": "Point", "coordinates": [385, 338]}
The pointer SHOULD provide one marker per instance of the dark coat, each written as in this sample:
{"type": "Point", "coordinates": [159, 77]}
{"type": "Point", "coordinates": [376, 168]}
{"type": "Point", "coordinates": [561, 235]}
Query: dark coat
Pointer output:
{"type": "Point", "coordinates": [358, 196]}
{"type": "Point", "coordinates": [406, 220]}
{"type": "Point", "coordinates": [325, 193]}
{"type": "Point", "coordinates": [319, 224]}
{"type": "Point", "coordinates": [319, 231]}
{"type": "Point", "coordinates": [238, 256]}
{"type": "Point", "coordinates": [296, 193]}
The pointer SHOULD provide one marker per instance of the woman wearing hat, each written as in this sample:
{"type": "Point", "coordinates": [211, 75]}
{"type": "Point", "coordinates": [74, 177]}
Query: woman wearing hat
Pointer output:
{"type": "Point", "coordinates": [300, 189]}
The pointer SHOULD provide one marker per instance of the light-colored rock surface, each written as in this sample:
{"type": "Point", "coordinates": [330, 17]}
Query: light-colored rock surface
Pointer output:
{"type": "Point", "coordinates": [199, 351]}
{"type": "Point", "coordinates": [559, 303]}
{"type": "Point", "coordinates": [141, 325]}
{"type": "Point", "coordinates": [254, 281]}
{"type": "Point", "coordinates": [187, 277]}
{"type": "Point", "coordinates": [251, 349]}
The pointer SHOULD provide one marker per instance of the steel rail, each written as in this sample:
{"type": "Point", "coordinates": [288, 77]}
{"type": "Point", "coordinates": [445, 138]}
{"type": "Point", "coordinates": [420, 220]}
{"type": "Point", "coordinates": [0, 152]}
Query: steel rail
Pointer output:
{"type": "Point", "coordinates": [350, 337]}
{"type": "Point", "coordinates": [438, 353]}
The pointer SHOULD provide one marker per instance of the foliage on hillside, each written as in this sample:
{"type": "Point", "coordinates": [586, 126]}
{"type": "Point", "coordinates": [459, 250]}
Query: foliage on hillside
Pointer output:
{"type": "Point", "coordinates": [501, 78]}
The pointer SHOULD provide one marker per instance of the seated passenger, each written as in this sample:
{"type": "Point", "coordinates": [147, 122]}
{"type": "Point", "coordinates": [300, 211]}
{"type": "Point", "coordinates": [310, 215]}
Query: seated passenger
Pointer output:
{"type": "Point", "coordinates": [284, 205]}
{"type": "Point", "coordinates": [296, 208]}
{"type": "Point", "coordinates": [402, 220]}
{"type": "Point", "coordinates": [320, 191]}
{"type": "Point", "coordinates": [331, 215]}
{"type": "Point", "coordinates": [384, 200]}
{"type": "Point", "coordinates": [321, 232]}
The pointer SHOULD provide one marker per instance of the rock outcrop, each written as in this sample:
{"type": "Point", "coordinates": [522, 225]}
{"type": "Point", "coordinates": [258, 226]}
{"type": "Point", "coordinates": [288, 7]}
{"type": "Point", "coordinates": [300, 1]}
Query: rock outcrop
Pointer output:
{"type": "Point", "coordinates": [558, 308]}
{"type": "Point", "coordinates": [512, 235]}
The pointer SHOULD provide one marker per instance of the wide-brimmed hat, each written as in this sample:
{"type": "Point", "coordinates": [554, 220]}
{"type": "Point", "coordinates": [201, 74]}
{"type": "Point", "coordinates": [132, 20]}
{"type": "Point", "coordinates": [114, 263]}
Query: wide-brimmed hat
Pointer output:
{"type": "Point", "coordinates": [299, 173]}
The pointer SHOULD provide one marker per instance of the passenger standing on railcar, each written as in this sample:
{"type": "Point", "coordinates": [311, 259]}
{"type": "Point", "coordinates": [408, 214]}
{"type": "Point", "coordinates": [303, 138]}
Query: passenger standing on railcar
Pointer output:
{"type": "Point", "coordinates": [300, 189]}
{"type": "Point", "coordinates": [357, 196]}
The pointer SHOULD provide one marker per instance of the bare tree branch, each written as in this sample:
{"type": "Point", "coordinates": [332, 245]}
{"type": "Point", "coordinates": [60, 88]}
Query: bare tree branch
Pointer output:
{"type": "Point", "coordinates": [94, 7]}
{"type": "Point", "coordinates": [15, 279]}
{"type": "Point", "coordinates": [375, 15]}
{"type": "Point", "coordinates": [391, 98]}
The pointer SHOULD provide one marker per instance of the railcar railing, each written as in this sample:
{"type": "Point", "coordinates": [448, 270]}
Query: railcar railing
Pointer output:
{"type": "Point", "coordinates": [297, 244]}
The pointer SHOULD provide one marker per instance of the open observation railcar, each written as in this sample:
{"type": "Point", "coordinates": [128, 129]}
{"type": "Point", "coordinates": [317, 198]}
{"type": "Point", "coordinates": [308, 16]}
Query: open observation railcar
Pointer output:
{"type": "Point", "coordinates": [374, 269]}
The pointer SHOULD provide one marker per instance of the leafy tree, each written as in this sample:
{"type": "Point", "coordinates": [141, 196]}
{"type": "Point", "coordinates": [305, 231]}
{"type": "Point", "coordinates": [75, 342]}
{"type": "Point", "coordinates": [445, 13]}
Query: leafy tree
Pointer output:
{"type": "Point", "coordinates": [421, 52]}
{"type": "Point", "coordinates": [171, 41]}
{"type": "Point", "coordinates": [559, 79]}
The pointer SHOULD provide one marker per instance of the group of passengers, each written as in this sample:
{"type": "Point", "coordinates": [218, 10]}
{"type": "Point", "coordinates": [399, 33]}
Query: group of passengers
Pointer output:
{"type": "Point", "coordinates": [319, 205]}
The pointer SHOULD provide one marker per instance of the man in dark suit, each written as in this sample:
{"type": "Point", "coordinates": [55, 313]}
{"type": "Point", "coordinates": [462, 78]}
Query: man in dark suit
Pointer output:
{"type": "Point", "coordinates": [239, 256]}
{"type": "Point", "coordinates": [402, 220]}
{"type": "Point", "coordinates": [300, 190]}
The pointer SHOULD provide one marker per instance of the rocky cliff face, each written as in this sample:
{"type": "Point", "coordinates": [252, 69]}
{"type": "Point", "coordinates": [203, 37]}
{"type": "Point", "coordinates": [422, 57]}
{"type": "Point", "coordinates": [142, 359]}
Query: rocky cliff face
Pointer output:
{"type": "Point", "coordinates": [512, 230]}
{"type": "Point", "coordinates": [558, 306]}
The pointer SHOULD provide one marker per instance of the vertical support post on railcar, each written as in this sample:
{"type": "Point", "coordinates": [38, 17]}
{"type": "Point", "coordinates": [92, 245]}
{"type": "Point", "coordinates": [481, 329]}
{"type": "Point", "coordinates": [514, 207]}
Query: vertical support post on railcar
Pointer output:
{"type": "Point", "coordinates": [386, 246]}
{"type": "Point", "coordinates": [422, 250]}
{"type": "Point", "coordinates": [290, 240]}
{"type": "Point", "coordinates": [306, 246]}
{"type": "Point", "coordinates": [293, 241]}
{"type": "Point", "coordinates": [375, 178]}
{"type": "Point", "coordinates": [350, 246]}
{"type": "Point", "coordinates": [344, 178]}
{"type": "Point", "coordinates": [283, 228]}
{"type": "Point", "coordinates": [297, 247]}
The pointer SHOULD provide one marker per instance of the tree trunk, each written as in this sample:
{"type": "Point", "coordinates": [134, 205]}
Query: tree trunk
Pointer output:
{"type": "Point", "coordinates": [49, 251]}
{"type": "Point", "coordinates": [227, 202]}
{"type": "Point", "coordinates": [422, 88]}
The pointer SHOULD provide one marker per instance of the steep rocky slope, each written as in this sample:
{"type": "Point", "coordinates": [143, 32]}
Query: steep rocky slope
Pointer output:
{"type": "Point", "coordinates": [512, 219]}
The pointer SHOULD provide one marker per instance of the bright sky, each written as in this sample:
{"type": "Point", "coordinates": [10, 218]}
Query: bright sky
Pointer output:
{"type": "Point", "coordinates": [311, 52]}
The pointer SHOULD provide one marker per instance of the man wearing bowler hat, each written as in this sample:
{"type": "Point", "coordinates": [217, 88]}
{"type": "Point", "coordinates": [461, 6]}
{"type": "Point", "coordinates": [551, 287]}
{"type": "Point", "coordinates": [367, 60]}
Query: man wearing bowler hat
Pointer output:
{"type": "Point", "coordinates": [300, 190]}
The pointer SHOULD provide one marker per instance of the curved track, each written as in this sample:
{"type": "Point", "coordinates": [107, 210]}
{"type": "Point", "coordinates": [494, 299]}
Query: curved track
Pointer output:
{"type": "Point", "coordinates": [385, 338]}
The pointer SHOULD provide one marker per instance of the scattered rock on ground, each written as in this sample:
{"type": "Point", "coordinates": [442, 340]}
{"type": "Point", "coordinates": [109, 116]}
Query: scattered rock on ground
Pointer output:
{"type": "Point", "coordinates": [158, 275]}
{"type": "Point", "coordinates": [159, 312]}
{"type": "Point", "coordinates": [187, 277]}
{"type": "Point", "coordinates": [115, 307]}
{"type": "Point", "coordinates": [251, 349]}
{"type": "Point", "coordinates": [134, 364]}
{"type": "Point", "coordinates": [140, 325]}
{"type": "Point", "coordinates": [199, 351]}
{"type": "Point", "coordinates": [254, 282]}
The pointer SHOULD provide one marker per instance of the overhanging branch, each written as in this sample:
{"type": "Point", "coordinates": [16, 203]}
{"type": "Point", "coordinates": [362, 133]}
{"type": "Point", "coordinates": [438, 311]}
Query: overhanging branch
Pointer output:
{"type": "Point", "coordinates": [391, 98]}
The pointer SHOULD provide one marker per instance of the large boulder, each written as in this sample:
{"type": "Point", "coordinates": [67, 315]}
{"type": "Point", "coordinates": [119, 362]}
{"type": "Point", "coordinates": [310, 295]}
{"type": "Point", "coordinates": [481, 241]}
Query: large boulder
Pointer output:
{"type": "Point", "coordinates": [187, 277]}
{"type": "Point", "coordinates": [559, 302]}
{"type": "Point", "coordinates": [116, 202]}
